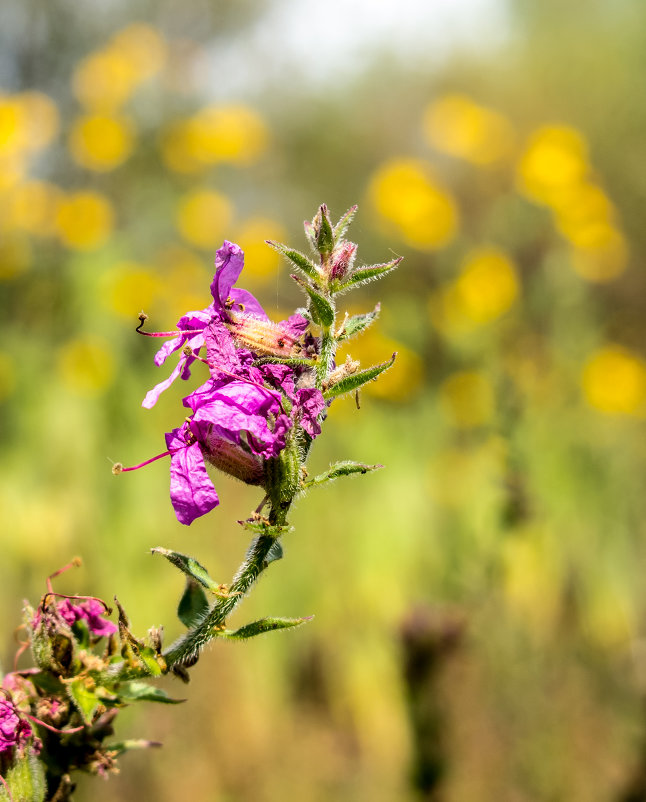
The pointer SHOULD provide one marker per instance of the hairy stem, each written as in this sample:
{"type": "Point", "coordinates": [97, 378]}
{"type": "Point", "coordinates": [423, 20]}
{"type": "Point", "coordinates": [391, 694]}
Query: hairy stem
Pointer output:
{"type": "Point", "coordinates": [186, 649]}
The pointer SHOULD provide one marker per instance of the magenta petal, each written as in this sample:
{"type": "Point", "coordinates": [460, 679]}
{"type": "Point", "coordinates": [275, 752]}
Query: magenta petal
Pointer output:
{"type": "Point", "coordinates": [295, 325]}
{"type": "Point", "coordinates": [153, 395]}
{"type": "Point", "coordinates": [248, 304]}
{"type": "Point", "coordinates": [191, 490]}
{"type": "Point", "coordinates": [229, 261]}
{"type": "Point", "coordinates": [310, 403]}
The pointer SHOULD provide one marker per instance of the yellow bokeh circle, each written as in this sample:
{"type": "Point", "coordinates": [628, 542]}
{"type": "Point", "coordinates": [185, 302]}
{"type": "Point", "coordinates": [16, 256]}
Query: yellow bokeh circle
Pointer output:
{"type": "Point", "coordinates": [487, 286]}
{"type": "Point", "coordinates": [101, 142]}
{"type": "Point", "coordinates": [554, 160]}
{"type": "Point", "coordinates": [86, 366]}
{"type": "Point", "coordinates": [467, 399]}
{"type": "Point", "coordinates": [405, 193]}
{"type": "Point", "coordinates": [614, 382]}
{"type": "Point", "coordinates": [84, 220]}
{"type": "Point", "coordinates": [203, 217]}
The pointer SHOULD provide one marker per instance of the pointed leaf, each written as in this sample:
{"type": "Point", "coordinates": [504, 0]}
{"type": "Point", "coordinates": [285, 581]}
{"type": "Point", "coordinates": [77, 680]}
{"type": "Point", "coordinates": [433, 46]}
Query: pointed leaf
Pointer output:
{"type": "Point", "coordinates": [342, 226]}
{"type": "Point", "coordinates": [297, 258]}
{"type": "Point", "coordinates": [310, 233]}
{"type": "Point", "coordinates": [86, 701]}
{"type": "Point", "coordinates": [189, 566]}
{"type": "Point", "coordinates": [356, 380]}
{"type": "Point", "coordinates": [325, 236]}
{"type": "Point", "coordinates": [275, 552]}
{"type": "Point", "coordinates": [345, 468]}
{"type": "Point", "coordinates": [142, 692]}
{"type": "Point", "coordinates": [149, 658]}
{"type": "Point", "coordinates": [321, 309]}
{"type": "Point", "coordinates": [262, 626]}
{"type": "Point", "coordinates": [193, 604]}
{"type": "Point", "coordinates": [365, 274]}
{"type": "Point", "coordinates": [358, 323]}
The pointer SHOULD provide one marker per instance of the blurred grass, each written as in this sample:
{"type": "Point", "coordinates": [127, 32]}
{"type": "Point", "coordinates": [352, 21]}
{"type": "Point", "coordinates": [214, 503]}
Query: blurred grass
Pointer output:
{"type": "Point", "coordinates": [510, 427]}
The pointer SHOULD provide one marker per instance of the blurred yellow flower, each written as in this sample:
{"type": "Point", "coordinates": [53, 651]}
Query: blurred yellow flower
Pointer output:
{"type": "Point", "coordinates": [13, 168]}
{"type": "Point", "coordinates": [7, 375]}
{"type": "Point", "coordinates": [84, 220]}
{"type": "Point", "coordinates": [235, 134]}
{"type": "Point", "coordinates": [601, 252]}
{"type": "Point", "coordinates": [100, 142]}
{"type": "Point", "coordinates": [455, 124]}
{"type": "Point", "coordinates": [261, 261]}
{"type": "Point", "coordinates": [32, 207]}
{"type": "Point", "coordinates": [579, 206]}
{"type": "Point", "coordinates": [555, 159]}
{"type": "Point", "coordinates": [609, 616]}
{"type": "Point", "coordinates": [129, 287]}
{"type": "Point", "coordinates": [487, 286]}
{"type": "Point", "coordinates": [12, 125]}
{"type": "Point", "coordinates": [405, 193]}
{"type": "Point", "coordinates": [467, 399]}
{"type": "Point", "coordinates": [614, 382]}
{"type": "Point", "coordinates": [143, 47]}
{"type": "Point", "coordinates": [86, 365]}
{"type": "Point", "coordinates": [203, 217]}
{"type": "Point", "coordinates": [104, 80]}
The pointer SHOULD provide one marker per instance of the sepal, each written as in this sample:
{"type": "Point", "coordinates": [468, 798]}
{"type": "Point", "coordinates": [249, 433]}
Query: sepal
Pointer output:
{"type": "Point", "coordinates": [262, 626]}
{"type": "Point", "coordinates": [342, 226]}
{"type": "Point", "coordinates": [135, 691]}
{"type": "Point", "coordinates": [189, 566]}
{"type": "Point", "coordinates": [365, 274]}
{"type": "Point", "coordinates": [298, 259]}
{"type": "Point", "coordinates": [357, 323]}
{"type": "Point", "coordinates": [320, 308]}
{"type": "Point", "coordinates": [323, 231]}
{"type": "Point", "coordinates": [356, 380]}
{"type": "Point", "coordinates": [339, 469]}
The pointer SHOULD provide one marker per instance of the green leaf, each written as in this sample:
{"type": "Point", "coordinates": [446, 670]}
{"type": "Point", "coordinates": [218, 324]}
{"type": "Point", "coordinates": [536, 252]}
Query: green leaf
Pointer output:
{"type": "Point", "coordinates": [275, 553]}
{"type": "Point", "coordinates": [325, 235]}
{"type": "Point", "coordinates": [297, 258]}
{"type": "Point", "coordinates": [148, 657]}
{"type": "Point", "coordinates": [358, 379]}
{"type": "Point", "coordinates": [262, 626]}
{"type": "Point", "coordinates": [193, 604]}
{"type": "Point", "coordinates": [342, 226]}
{"type": "Point", "coordinates": [320, 307]}
{"type": "Point", "coordinates": [310, 233]}
{"type": "Point", "coordinates": [45, 681]}
{"type": "Point", "coordinates": [188, 566]}
{"type": "Point", "coordinates": [142, 692]}
{"type": "Point", "coordinates": [86, 701]}
{"type": "Point", "coordinates": [339, 469]}
{"type": "Point", "coordinates": [358, 323]}
{"type": "Point", "coordinates": [25, 780]}
{"type": "Point", "coordinates": [365, 274]}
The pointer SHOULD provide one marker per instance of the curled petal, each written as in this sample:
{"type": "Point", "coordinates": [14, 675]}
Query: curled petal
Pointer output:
{"type": "Point", "coordinates": [153, 395]}
{"type": "Point", "coordinates": [310, 404]}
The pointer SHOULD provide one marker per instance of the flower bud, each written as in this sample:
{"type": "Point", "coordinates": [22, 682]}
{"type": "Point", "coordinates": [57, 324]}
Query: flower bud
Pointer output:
{"type": "Point", "coordinates": [342, 260]}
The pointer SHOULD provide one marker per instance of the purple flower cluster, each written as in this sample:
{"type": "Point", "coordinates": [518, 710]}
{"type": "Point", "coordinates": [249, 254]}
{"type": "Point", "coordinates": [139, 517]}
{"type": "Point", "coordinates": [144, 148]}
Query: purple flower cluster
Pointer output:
{"type": "Point", "coordinates": [246, 412]}
{"type": "Point", "coordinates": [14, 730]}
{"type": "Point", "coordinates": [91, 611]}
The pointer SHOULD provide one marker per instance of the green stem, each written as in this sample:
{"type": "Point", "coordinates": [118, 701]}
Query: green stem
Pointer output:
{"type": "Point", "coordinates": [328, 352]}
{"type": "Point", "coordinates": [186, 649]}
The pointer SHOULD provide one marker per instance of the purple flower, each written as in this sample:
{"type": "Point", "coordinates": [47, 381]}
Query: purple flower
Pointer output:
{"type": "Point", "coordinates": [235, 426]}
{"type": "Point", "coordinates": [91, 611]}
{"type": "Point", "coordinates": [14, 730]}
{"type": "Point", "coordinates": [237, 314]}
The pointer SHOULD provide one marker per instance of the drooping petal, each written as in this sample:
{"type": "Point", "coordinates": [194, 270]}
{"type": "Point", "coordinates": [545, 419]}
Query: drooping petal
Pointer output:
{"type": "Point", "coordinates": [191, 490]}
{"type": "Point", "coordinates": [152, 396]}
{"type": "Point", "coordinates": [296, 325]}
{"type": "Point", "coordinates": [309, 404]}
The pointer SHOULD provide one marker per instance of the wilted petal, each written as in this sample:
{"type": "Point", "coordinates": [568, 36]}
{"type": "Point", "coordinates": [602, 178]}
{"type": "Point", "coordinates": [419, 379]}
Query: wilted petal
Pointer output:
{"type": "Point", "coordinates": [191, 490]}
{"type": "Point", "coordinates": [310, 404]}
{"type": "Point", "coordinates": [153, 395]}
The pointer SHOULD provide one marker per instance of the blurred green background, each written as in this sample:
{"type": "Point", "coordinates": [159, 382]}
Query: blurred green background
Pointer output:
{"type": "Point", "coordinates": [480, 609]}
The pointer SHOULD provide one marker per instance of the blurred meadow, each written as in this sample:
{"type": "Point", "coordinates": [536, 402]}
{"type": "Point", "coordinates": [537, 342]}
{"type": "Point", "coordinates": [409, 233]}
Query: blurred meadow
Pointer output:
{"type": "Point", "coordinates": [480, 613]}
